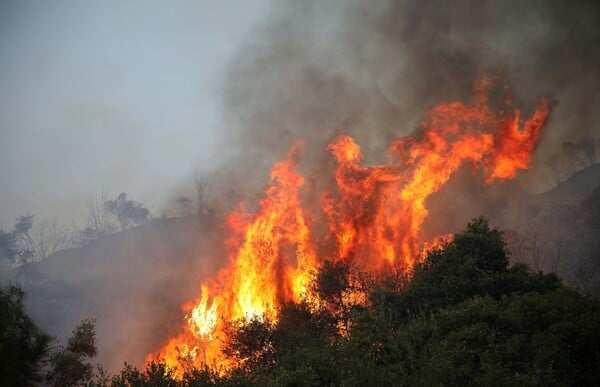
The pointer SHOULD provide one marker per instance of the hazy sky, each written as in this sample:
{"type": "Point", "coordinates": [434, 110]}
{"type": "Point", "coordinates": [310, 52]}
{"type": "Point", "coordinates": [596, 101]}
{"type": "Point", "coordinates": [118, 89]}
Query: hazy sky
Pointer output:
{"type": "Point", "coordinates": [120, 94]}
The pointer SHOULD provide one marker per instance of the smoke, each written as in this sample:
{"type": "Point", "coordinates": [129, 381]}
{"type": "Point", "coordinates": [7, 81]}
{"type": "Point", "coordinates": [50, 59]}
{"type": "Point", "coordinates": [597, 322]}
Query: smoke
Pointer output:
{"type": "Point", "coordinates": [318, 69]}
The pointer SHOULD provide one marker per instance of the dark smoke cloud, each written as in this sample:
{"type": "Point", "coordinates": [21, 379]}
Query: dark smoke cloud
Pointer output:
{"type": "Point", "coordinates": [371, 69]}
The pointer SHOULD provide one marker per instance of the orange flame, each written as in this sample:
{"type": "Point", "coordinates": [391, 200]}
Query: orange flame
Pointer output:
{"type": "Point", "coordinates": [374, 217]}
{"type": "Point", "coordinates": [271, 262]}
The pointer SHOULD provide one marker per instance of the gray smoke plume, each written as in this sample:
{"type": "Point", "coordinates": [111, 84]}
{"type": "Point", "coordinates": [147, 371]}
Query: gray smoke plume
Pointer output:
{"type": "Point", "coordinates": [371, 69]}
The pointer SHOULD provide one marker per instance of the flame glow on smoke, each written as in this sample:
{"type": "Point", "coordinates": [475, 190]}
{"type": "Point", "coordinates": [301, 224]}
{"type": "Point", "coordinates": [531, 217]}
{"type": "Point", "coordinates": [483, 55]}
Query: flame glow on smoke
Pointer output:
{"type": "Point", "coordinates": [373, 216]}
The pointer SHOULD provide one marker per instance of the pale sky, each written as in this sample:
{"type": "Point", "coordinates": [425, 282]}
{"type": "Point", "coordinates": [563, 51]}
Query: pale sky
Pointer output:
{"type": "Point", "coordinates": [118, 94]}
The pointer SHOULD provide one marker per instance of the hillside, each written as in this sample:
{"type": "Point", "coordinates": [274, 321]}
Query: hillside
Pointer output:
{"type": "Point", "coordinates": [578, 186]}
{"type": "Point", "coordinates": [132, 283]}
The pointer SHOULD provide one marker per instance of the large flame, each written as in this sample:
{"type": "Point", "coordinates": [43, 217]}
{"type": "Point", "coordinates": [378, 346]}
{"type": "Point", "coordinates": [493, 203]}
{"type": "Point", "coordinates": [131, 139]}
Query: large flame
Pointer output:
{"type": "Point", "coordinates": [374, 217]}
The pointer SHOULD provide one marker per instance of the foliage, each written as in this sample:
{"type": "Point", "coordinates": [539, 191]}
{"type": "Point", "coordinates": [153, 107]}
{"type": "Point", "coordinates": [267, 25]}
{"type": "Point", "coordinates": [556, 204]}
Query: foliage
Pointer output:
{"type": "Point", "coordinates": [27, 356]}
{"type": "Point", "coordinates": [129, 213]}
{"type": "Point", "coordinates": [156, 374]}
{"type": "Point", "coordinates": [26, 244]}
{"type": "Point", "coordinates": [522, 339]}
{"type": "Point", "coordinates": [250, 344]}
{"type": "Point", "coordinates": [99, 221]}
{"type": "Point", "coordinates": [474, 263]}
{"type": "Point", "coordinates": [8, 248]}
{"type": "Point", "coordinates": [14, 249]}
{"type": "Point", "coordinates": [202, 183]}
{"type": "Point", "coordinates": [331, 281]}
{"type": "Point", "coordinates": [70, 365]}
{"type": "Point", "coordinates": [23, 346]}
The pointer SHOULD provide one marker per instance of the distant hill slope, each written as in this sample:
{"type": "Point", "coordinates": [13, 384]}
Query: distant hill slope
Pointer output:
{"type": "Point", "coordinates": [132, 283]}
{"type": "Point", "coordinates": [578, 186]}
{"type": "Point", "coordinates": [558, 230]}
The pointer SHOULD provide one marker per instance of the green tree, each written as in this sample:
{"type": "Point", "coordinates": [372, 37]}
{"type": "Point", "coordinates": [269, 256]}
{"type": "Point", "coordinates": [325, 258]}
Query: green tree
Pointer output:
{"type": "Point", "coordinates": [302, 341]}
{"type": "Point", "coordinates": [23, 346]}
{"type": "Point", "coordinates": [156, 374]}
{"type": "Point", "coordinates": [474, 263]}
{"type": "Point", "coordinates": [467, 318]}
{"type": "Point", "coordinates": [250, 343]}
{"type": "Point", "coordinates": [70, 365]}
{"type": "Point", "coordinates": [8, 249]}
{"type": "Point", "coordinates": [14, 249]}
{"type": "Point", "coordinates": [538, 339]}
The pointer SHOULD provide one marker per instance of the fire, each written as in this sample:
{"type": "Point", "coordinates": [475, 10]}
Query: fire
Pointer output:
{"type": "Point", "coordinates": [270, 262]}
{"type": "Point", "coordinates": [374, 217]}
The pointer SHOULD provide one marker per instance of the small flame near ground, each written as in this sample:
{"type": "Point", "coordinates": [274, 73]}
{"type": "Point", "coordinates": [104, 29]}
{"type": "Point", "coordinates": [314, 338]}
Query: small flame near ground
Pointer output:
{"type": "Point", "coordinates": [374, 217]}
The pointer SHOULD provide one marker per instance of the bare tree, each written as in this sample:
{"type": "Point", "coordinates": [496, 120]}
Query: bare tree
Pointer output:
{"type": "Point", "coordinates": [48, 238]}
{"type": "Point", "coordinates": [12, 251]}
{"type": "Point", "coordinates": [42, 240]}
{"type": "Point", "coordinates": [581, 153]}
{"type": "Point", "coordinates": [232, 199]}
{"type": "Point", "coordinates": [99, 221]}
{"type": "Point", "coordinates": [535, 245]}
{"type": "Point", "coordinates": [98, 216]}
{"type": "Point", "coordinates": [587, 267]}
{"type": "Point", "coordinates": [558, 171]}
{"type": "Point", "coordinates": [588, 148]}
{"type": "Point", "coordinates": [27, 255]}
{"type": "Point", "coordinates": [203, 187]}
{"type": "Point", "coordinates": [570, 151]}
{"type": "Point", "coordinates": [515, 243]}
{"type": "Point", "coordinates": [559, 245]}
{"type": "Point", "coordinates": [184, 205]}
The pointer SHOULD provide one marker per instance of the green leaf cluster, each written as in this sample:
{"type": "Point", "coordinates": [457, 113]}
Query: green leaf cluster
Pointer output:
{"type": "Point", "coordinates": [23, 346]}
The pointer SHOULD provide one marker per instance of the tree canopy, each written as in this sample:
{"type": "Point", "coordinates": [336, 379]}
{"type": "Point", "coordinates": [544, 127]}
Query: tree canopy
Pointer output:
{"type": "Point", "coordinates": [28, 356]}
{"type": "Point", "coordinates": [465, 318]}
{"type": "Point", "coordinates": [23, 345]}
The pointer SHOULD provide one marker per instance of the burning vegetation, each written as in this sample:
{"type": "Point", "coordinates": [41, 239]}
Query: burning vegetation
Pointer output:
{"type": "Point", "coordinates": [370, 218]}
